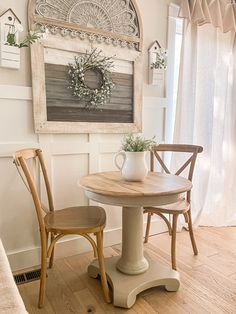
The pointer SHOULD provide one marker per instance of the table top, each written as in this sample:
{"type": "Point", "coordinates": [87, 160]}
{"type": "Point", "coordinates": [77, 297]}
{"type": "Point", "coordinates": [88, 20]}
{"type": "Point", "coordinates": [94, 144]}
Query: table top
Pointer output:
{"type": "Point", "coordinates": [155, 184]}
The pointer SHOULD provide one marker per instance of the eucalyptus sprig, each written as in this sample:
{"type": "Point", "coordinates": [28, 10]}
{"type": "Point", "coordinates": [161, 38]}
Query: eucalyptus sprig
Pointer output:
{"type": "Point", "coordinates": [29, 39]}
{"type": "Point", "coordinates": [132, 143]}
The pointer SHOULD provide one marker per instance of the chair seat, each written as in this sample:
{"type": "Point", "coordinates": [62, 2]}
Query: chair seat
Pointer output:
{"type": "Point", "coordinates": [81, 219]}
{"type": "Point", "coordinates": [179, 207]}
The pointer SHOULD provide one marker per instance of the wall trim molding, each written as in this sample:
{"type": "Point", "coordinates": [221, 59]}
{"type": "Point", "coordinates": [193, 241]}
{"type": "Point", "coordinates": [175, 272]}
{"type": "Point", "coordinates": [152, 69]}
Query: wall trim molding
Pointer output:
{"type": "Point", "coordinates": [7, 149]}
{"type": "Point", "coordinates": [15, 92]}
{"type": "Point", "coordinates": [95, 145]}
{"type": "Point", "coordinates": [174, 10]}
{"type": "Point", "coordinates": [31, 257]}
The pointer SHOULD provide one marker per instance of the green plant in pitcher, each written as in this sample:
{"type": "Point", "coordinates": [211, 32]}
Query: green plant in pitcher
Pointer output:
{"type": "Point", "coordinates": [137, 143]}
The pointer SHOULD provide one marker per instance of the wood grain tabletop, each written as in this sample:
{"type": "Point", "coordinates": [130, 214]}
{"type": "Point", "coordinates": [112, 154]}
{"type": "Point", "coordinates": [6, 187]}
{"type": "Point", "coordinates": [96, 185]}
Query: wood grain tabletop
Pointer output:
{"type": "Point", "coordinates": [155, 184]}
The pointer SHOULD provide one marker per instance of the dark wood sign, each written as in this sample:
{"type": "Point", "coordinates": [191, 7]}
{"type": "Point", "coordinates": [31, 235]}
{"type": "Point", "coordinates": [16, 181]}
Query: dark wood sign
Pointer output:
{"type": "Point", "coordinates": [63, 106]}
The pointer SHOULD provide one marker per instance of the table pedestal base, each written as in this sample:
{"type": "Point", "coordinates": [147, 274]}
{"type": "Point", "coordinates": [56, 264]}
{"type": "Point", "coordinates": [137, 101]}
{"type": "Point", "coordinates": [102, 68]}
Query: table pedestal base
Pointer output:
{"type": "Point", "coordinates": [127, 287]}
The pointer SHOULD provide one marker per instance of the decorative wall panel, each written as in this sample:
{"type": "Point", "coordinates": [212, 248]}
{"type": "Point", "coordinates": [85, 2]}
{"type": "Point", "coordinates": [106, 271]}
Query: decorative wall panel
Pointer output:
{"type": "Point", "coordinates": [114, 22]}
{"type": "Point", "coordinates": [78, 27]}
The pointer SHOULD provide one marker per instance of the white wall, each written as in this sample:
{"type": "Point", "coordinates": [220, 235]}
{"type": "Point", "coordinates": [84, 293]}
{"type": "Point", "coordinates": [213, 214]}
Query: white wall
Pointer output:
{"type": "Point", "coordinates": [68, 157]}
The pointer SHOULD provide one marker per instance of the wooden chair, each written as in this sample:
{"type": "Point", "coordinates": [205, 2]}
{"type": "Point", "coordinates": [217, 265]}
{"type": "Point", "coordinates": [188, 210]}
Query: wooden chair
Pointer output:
{"type": "Point", "coordinates": [182, 206]}
{"type": "Point", "coordinates": [81, 220]}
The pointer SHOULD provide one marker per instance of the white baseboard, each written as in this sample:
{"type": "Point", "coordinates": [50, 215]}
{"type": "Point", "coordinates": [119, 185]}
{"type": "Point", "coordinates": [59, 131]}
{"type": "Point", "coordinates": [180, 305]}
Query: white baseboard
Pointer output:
{"type": "Point", "coordinates": [72, 246]}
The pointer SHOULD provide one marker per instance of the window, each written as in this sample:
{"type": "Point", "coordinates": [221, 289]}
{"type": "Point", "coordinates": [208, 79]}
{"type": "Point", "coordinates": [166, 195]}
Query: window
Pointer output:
{"type": "Point", "coordinates": [175, 35]}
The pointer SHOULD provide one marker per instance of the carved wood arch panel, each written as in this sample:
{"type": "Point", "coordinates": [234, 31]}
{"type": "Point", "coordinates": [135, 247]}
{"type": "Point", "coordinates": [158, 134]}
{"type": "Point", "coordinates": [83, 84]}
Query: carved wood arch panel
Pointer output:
{"type": "Point", "coordinates": [116, 22]}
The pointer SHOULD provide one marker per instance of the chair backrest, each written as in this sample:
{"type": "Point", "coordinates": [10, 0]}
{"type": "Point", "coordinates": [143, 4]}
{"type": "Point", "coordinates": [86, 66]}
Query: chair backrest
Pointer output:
{"type": "Point", "coordinates": [29, 162]}
{"type": "Point", "coordinates": [193, 151]}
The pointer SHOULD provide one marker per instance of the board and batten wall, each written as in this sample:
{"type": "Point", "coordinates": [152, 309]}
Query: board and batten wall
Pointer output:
{"type": "Point", "coordinates": [68, 156]}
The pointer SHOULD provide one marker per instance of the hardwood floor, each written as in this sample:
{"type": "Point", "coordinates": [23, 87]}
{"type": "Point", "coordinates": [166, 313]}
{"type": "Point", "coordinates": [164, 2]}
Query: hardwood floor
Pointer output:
{"type": "Point", "coordinates": [208, 281]}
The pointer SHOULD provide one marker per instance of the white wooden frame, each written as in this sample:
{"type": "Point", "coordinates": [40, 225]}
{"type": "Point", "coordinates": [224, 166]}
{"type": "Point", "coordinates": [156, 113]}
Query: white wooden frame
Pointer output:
{"type": "Point", "coordinates": [129, 49]}
{"type": "Point", "coordinates": [39, 91]}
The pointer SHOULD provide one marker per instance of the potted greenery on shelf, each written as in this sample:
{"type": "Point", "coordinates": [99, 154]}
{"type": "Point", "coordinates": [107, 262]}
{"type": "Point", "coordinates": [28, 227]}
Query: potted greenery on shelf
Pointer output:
{"type": "Point", "coordinates": [157, 64]}
{"type": "Point", "coordinates": [10, 27]}
{"type": "Point", "coordinates": [10, 50]}
{"type": "Point", "coordinates": [161, 60]}
{"type": "Point", "coordinates": [157, 70]}
{"type": "Point", "coordinates": [133, 151]}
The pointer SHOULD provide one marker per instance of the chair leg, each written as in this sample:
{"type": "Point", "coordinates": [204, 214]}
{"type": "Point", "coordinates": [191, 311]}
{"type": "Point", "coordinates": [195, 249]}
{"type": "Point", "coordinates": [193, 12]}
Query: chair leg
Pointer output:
{"type": "Point", "coordinates": [148, 227]}
{"type": "Point", "coordinates": [43, 269]}
{"type": "Point", "coordinates": [92, 242]}
{"type": "Point", "coordinates": [190, 229]}
{"type": "Point", "coordinates": [186, 217]}
{"type": "Point", "coordinates": [105, 288]}
{"type": "Point", "coordinates": [51, 260]}
{"type": "Point", "coordinates": [173, 241]}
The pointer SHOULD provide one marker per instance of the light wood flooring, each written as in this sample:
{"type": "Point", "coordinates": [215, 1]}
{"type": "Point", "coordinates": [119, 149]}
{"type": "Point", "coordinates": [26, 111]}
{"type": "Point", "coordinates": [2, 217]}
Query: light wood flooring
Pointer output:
{"type": "Point", "coordinates": [208, 281]}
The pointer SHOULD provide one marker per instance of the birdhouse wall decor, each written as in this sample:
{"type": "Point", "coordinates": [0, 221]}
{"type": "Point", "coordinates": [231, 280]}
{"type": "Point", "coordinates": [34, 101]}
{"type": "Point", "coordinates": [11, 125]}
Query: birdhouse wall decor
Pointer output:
{"type": "Point", "coordinates": [157, 64]}
{"type": "Point", "coordinates": [10, 26]}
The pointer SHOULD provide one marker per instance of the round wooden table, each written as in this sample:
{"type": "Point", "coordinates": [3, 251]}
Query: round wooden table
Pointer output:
{"type": "Point", "coordinates": [132, 272]}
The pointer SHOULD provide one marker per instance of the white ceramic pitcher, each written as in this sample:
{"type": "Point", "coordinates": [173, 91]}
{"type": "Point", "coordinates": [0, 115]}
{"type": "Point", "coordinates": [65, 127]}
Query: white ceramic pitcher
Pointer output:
{"type": "Point", "coordinates": [134, 166]}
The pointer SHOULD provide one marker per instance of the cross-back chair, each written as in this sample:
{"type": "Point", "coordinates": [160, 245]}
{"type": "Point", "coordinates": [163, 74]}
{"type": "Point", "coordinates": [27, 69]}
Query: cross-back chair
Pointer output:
{"type": "Point", "coordinates": [183, 206]}
{"type": "Point", "coordinates": [81, 220]}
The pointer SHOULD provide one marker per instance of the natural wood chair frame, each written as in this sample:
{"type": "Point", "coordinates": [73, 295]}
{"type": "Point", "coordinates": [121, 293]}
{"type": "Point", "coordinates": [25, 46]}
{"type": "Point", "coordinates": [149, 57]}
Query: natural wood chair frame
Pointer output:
{"type": "Point", "coordinates": [47, 250]}
{"type": "Point", "coordinates": [181, 207]}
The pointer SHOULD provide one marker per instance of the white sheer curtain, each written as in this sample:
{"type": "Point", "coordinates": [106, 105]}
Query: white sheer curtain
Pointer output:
{"type": "Point", "coordinates": [206, 115]}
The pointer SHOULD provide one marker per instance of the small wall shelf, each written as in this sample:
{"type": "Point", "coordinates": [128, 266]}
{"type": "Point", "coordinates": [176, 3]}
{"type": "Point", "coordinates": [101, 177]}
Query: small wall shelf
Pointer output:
{"type": "Point", "coordinates": [9, 26]}
{"type": "Point", "coordinates": [9, 56]}
{"type": "Point", "coordinates": [156, 76]}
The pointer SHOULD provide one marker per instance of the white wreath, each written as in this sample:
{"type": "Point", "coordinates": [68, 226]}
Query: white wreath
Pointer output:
{"type": "Point", "coordinates": [94, 98]}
